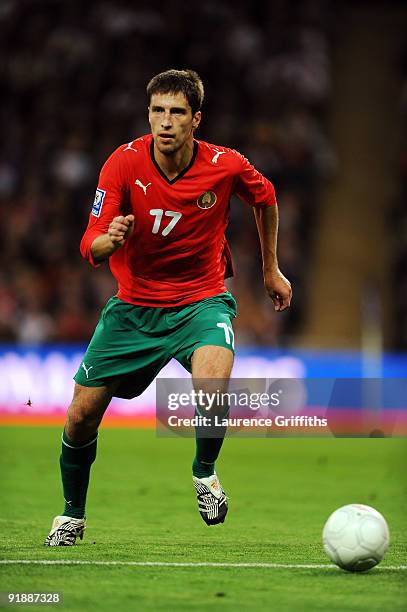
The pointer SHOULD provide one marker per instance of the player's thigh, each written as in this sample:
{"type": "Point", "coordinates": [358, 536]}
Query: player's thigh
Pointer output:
{"type": "Point", "coordinates": [212, 362]}
{"type": "Point", "coordinates": [211, 368]}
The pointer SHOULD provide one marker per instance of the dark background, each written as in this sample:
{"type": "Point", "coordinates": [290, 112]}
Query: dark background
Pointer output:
{"type": "Point", "coordinates": [73, 77]}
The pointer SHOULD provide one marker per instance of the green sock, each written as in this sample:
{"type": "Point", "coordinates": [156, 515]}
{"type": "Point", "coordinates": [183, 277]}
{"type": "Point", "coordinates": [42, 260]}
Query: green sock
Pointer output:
{"type": "Point", "coordinates": [207, 451]}
{"type": "Point", "coordinates": [75, 462]}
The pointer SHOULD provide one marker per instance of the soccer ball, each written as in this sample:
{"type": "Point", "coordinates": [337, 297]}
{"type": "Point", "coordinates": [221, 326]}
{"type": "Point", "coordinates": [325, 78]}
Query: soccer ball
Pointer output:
{"type": "Point", "coordinates": [356, 537]}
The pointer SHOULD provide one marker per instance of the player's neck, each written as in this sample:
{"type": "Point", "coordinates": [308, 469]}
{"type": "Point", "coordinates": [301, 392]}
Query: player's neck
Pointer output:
{"type": "Point", "coordinates": [175, 163]}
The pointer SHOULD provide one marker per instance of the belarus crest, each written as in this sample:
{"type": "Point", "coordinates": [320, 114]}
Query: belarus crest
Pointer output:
{"type": "Point", "coordinates": [207, 200]}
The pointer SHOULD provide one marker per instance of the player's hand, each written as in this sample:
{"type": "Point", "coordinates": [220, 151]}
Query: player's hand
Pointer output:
{"type": "Point", "coordinates": [279, 289]}
{"type": "Point", "coordinates": [120, 229]}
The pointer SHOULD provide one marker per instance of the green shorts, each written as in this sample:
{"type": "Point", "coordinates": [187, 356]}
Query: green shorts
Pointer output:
{"type": "Point", "coordinates": [136, 342]}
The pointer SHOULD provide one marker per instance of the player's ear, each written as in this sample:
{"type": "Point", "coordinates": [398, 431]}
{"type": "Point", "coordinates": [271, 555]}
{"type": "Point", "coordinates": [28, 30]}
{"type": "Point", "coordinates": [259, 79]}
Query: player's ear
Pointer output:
{"type": "Point", "coordinates": [196, 120]}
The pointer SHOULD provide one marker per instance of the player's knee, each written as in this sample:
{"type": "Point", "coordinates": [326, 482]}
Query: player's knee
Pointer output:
{"type": "Point", "coordinates": [86, 411]}
{"type": "Point", "coordinates": [212, 398]}
{"type": "Point", "coordinates": [81, 419]}
{"type": "Point", "coordinates": [81, 422]}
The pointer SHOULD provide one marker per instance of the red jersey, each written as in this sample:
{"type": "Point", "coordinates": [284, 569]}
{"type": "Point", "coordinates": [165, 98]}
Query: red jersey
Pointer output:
{"type": "Point", "coordinates": [177, 253]}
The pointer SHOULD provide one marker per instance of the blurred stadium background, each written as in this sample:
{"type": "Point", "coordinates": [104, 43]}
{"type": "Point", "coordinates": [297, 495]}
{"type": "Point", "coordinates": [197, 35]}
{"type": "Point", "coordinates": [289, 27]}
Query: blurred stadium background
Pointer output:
{"type": "Point", "coordinates": [313, 93]}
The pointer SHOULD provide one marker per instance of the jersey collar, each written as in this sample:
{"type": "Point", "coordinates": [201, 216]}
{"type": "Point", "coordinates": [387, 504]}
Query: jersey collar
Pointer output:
{"type": "Point", "coordinates": [181, 174]}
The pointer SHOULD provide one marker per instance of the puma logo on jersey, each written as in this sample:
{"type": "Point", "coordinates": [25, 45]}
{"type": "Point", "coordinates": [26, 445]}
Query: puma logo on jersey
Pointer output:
{"type": "Point", "coordinates": [130, 148]}
{"type": "Point", "coordinates": [143, 187]}
{"type": "Point", "coordinates": [216, 156]}
{"type": "Point", "coordinates": [87, 370]}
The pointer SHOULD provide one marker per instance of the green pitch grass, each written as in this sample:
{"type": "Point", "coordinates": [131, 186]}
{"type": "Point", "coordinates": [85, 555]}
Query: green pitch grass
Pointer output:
{"type": "Point", "coordinates": [141, 507]}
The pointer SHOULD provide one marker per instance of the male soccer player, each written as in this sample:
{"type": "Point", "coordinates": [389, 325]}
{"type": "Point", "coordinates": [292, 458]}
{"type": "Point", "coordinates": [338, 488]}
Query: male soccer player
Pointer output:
{"type": "Point", "coordinates": [159, 216]}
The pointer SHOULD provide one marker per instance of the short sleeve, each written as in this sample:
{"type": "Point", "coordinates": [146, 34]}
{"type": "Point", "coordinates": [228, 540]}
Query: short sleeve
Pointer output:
{"type": "Point", "coordinates": [252, 187]}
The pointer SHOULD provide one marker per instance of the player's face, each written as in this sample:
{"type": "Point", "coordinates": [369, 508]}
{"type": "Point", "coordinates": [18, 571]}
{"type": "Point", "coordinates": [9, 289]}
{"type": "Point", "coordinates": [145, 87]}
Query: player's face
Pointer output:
{"type": "Point", "coordinates": [171, 120]}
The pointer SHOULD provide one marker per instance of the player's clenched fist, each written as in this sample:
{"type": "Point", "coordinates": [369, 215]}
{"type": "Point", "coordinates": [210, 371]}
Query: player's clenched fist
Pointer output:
{"type": "Point", "coordinates": [120, 229]}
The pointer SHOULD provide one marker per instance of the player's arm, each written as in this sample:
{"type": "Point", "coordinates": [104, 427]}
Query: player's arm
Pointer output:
{"type": "Point", "coordinates": [277, 285]}
{"type": "Point", "coordinates": [256, 190]}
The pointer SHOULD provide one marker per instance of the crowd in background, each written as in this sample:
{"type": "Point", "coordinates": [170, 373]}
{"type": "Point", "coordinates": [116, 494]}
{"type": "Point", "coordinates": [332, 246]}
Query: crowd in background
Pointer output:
{"type": "Point", "coordinates": [399, 228]}
{"type": "Point", "coordinates": [73, 80]}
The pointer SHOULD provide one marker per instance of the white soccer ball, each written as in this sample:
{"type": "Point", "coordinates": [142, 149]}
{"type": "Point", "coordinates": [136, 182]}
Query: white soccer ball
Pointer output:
{"type": "Point", "coordinates": [356, 537]}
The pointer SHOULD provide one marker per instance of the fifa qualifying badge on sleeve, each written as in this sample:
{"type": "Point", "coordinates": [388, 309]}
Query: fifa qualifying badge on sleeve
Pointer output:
{"type": "Point", "coordinates": [98, 202]}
